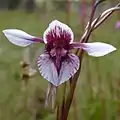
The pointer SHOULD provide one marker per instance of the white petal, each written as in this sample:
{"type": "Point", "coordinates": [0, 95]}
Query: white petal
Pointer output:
{"type": "Point", "coordinates": [57, 24]}
{"type": "Point", "coordinates": [48, 69]}
{"type": "Point", "coordinates": [18, 37]}
{"type": "Point", "coordinates": [97, 49]}
{"type": "Point", "coordinates": [68, 68]}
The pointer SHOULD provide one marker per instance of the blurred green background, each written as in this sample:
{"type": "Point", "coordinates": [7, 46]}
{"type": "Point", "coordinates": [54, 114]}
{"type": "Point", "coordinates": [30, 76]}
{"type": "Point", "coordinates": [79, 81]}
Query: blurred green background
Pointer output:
{"type": "Point", "coordinates": [97, 96]}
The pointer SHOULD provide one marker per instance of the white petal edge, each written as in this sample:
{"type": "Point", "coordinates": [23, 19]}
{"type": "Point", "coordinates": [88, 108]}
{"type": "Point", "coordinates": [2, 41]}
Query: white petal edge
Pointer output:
{"type": "Point", "coordinates": [55, 23]}
{"type": "Point", "coordinates": [18, 37]}
{"type": "Point", "coordinates": [97, 49]}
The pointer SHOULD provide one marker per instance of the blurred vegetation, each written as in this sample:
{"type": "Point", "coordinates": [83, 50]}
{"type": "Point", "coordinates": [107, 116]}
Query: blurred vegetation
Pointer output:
{"type": "Point", "coordinates": [30, 5]}
{"type": "Point", "coordinates": [13, 4]}
{"type": "Point", "coordinates": [97, 94]}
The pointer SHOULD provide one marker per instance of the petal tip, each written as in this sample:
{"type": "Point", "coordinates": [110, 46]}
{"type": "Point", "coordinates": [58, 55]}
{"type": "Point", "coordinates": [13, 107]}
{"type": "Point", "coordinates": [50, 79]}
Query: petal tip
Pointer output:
{"type": "Point", "coordinates": [56, 85]}
{"type": "Point", "coordinates": [18, 37]}
{"type": "Point", "coordinates": [4, 31]}
{"type": "Point", "coordinates": [114, 49]}
{"type": "Point", "coordinates": [54, 22]}
{"type": "Point", "coordinates": [98, 49]}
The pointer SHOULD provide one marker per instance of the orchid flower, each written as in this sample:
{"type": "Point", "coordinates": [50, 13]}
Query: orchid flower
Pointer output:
{"type": "Point", "coordinates": [58, 64]}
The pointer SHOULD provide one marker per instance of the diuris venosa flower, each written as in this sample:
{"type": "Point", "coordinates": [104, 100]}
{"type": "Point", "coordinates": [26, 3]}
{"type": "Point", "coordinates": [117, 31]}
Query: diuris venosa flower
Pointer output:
{"type": "Point", "coordinates": [57, 64]}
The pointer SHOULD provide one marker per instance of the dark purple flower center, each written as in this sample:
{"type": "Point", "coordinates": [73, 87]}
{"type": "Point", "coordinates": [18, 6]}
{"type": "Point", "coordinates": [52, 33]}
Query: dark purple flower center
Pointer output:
{"type": "Point", "coordinates": [58, 38]}
{"type": "Point", "coordinates": [58, 55]}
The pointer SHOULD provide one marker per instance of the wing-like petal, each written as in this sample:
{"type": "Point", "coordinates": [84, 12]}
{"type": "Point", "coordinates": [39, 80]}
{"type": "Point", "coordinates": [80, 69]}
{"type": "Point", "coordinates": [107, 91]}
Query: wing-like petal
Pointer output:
{"type": "Point", "coordinates": [20, 38]}
{"type": "Point", "coordinates": [95, 49]}
{"type": "Point", "coordinates": [48, 70]}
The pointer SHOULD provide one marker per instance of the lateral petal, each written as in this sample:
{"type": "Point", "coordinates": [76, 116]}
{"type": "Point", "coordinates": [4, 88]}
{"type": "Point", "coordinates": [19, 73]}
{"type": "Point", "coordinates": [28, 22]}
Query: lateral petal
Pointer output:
{"type": "Point", "coordinates": [20, 38]}
{"type": "Point", "coordinates": [96, 49]}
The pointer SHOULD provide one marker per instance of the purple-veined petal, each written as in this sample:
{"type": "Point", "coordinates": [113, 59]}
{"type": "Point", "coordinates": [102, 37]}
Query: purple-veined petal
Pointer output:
{"type": "Point", "coordinates": [95, 49]}
{"type": "Point", "coordinates": [48, 70]}
{"type": "Point", "coordinates": [68, 68]}
{"type": "Point", "coordinates": [20, 38]}
{"type": "Point", "coordinates": [58, 30]}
